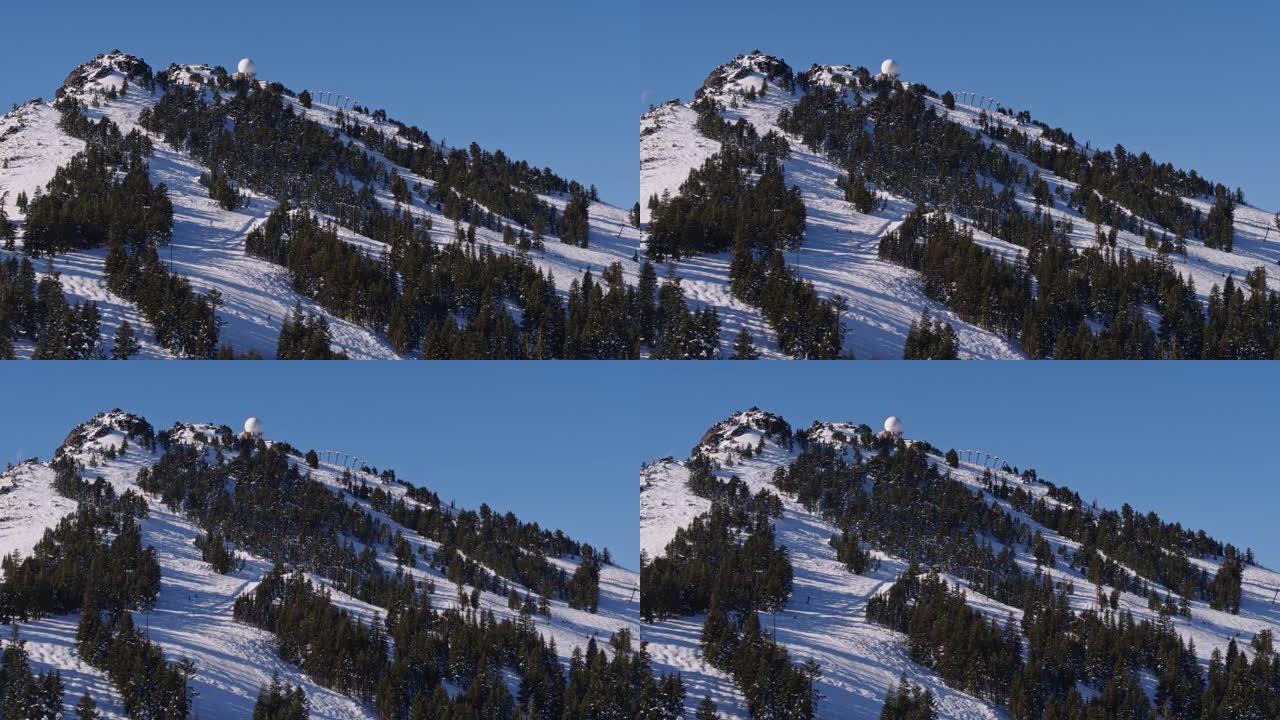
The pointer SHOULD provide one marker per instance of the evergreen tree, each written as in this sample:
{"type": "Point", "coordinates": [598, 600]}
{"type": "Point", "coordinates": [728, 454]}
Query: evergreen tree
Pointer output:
{"type": "Point", "coordinates": [577, 228]}
{"type": "Point", "coordinates": [908, 702]}
{"type": "Point", "coordinates": [856, 192]}
{"type": "Point", "coordinates": [1219, 224]}
{"type": "Point", "coordinates": [280, 701]}
{"type": "Point", "coordinates": [7, 230]}
{"type": "Point", "coordinates": [743, 347]}
{"type": "Point", "coordinates": [126, 345]}
{"type": "Point", "coordinates": [929, 339]}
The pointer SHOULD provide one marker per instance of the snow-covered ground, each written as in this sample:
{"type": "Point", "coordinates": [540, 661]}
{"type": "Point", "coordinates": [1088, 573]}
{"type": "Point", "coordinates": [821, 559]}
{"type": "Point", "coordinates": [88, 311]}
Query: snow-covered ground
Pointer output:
{"type": "Point", "coordinates": [825, 617]}
{"type": "Point", "coordinates": [208, 242]}
{"type": "Point", "coordinates": [839, 253]}
{"type": "Point", "coordinates": [192, 616]}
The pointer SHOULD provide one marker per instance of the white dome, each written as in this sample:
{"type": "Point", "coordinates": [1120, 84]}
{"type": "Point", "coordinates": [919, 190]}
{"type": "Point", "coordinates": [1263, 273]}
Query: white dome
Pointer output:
{"type": "Point", "coordinates": [247, 67]}
{"type": "Point", "coordinates": [253, 426]}
{"type": "Point", "coordinates": [889, 67]}
{"type": "Point", "coordinates": [893, 425]}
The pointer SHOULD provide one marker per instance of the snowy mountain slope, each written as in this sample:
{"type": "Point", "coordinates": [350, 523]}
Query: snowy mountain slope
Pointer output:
{"type": "Point", "coordinates": [192, 617]}
{"type": "Point", "coordinates": [1254, 244]}
{"type": "Point", "coordinates": [825, 616]}
{"type": "Point", "coordinates": [26, 494]}
{"type": "Point", "coordinates": [208, 241]}
{"type": "Point", "coordinates": [839, 251]}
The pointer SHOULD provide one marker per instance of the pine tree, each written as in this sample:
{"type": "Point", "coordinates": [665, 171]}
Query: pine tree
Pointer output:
{"type": "Point", "coordinates": [1219, 224]}
{"type": "Point", "coordinates": [647, 298]}
{"type": "Point", "coordinates": [280, 701]}
{"type": "Point", "coordinates": [7, 231]}
{"type": "Point", "coordinates": [706, 710]}
{"type": "Point", "coordinates": [864, 201]}
{"type": "Point", "coordinates": [304, 97]}
{"type": "Point", "coordinates": [743, 347]}
{"type": "Point", "coordinates": [949, 100]}
{"type": "Point", "coordinates": [126, 345]}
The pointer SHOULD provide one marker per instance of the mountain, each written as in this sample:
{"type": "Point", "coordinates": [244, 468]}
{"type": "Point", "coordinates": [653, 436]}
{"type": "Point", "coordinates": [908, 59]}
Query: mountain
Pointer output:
{"type": "Point", "coordinates": [400, 245]}
{"type": "Point", "coordinates": [869, 558]}
{"type": "Point", "coordinates": [215, 562]}
{"type": "Point", "coordinates": [888, 200]}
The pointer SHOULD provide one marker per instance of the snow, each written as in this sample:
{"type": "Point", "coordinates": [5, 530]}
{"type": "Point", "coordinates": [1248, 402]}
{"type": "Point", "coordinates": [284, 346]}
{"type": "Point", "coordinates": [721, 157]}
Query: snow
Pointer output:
{"type": "Point", "coordinates": [824, 619]}
{"type": "Point", "coordinates": [825, 616]}
{"type": "Point", "coordinates": [665, 505]}
{"type": "Point", "coordinates": [28, 506]}
{"type": "Point", "coordinates": [208, 242]}
{"type": "Point", "coordinates": [839, 253]}
{"type": "Point", "coordinates": [193, 613]}
{"type": "Point", "coordinates": [618, 604]}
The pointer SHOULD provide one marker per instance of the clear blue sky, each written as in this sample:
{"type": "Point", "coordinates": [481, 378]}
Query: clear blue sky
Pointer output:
{"type": "Point", "coordinates": [541, 440]}
{"type": "Point", "coordinates": [1195, 442]}
{"type": "Point", "coordinates": [1191, 83]}
{"type": "Point", "coordinates": [551, 83]}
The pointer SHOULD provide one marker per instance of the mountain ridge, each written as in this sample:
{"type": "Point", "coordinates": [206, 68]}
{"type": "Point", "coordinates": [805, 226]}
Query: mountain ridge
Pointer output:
{"type": "Point", "coordinates": [257, 292]}
{"type": "Point", "coordinates": [827, 615]}
{"type": "Point", "coordinates": [199, 612]}
{"type": "Point", "coordinates": [885, 294]}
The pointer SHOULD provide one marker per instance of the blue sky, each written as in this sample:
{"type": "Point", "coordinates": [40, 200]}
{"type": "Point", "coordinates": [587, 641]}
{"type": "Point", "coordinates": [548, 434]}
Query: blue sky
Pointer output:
{"type": "Point", "coordinates": [554, 84]}
{"type": "Point", "coordinates": [1191, 83]}
{"type": "Point", "coordinates": [528, 438]}
{"type": "Point", "coordinates": [1195, 442]}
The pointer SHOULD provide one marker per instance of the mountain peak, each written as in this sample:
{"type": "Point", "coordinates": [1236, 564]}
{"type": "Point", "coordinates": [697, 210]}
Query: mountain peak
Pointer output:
{"type": "Point", "coordinates": [743, 70]}
{"type": "Point", "coordinates": [102, 67]}
{"type": "Point", "coordinates": [83, 436]}
{"type": "Point", "coordinates": [745, 427]}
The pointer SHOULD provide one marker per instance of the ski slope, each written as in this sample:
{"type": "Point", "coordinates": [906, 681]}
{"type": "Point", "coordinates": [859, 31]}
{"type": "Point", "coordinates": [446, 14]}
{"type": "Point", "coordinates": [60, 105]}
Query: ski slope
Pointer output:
{"type": "Point", "coordinates": [208, 241]}
{"type": "Point", "coordinates": [825, 617]}
{"type": "Point", "coordinates": [839, 253]}
{"type": "Point", "coordinates": [192, 617]}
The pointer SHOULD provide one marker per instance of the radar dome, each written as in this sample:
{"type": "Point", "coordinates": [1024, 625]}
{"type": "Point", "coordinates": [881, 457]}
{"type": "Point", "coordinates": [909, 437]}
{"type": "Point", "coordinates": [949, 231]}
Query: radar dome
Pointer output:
{"type": "Point", "coordinates": [247, 67]}
{"type": "Point", "coordinates": [893, 425]}
{"type": "Point", "coordinates": [889, 67]}
{"type": "Point", "coordinates": [253, 426]}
